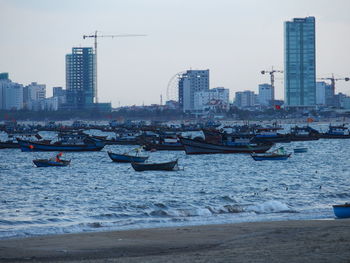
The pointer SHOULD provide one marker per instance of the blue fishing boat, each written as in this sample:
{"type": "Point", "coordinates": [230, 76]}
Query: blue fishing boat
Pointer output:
{"type": "Point", "coordinates": [342, 211]}
{"type": "Point", "coordinates": [336, 132]}
{"type": "Point", "coordinates": [277, 155]}
{"type": "Point", "coordinates": [50, 163]}
{"type": "Point", "coordinates": [126, 158]}
{"type": "Point", "coordinates": [69, 143]}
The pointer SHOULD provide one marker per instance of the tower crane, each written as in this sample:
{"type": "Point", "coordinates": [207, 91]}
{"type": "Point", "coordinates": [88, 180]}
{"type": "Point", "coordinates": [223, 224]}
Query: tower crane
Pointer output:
{"type": "Point", "coordinates": [272, 79]}
{"type": "Point", "coordinates": [95, 36]}
{"type": "Point", "coordinates": [333, 80]}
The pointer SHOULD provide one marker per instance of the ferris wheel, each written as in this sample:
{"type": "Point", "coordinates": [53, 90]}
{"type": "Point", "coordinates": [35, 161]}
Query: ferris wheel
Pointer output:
{"type": "Point", "coordinates": [172, 92]}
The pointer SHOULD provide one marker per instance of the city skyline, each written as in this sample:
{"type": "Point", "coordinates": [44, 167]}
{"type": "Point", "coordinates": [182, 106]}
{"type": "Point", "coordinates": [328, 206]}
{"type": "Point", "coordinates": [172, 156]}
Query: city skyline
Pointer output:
{"type": "Point", "coordinates": [235, 40]}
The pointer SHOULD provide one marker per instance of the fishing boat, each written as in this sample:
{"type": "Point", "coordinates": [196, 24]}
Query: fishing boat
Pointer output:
{"type": "Point", "coordinates": [167, 166]}
{"type": "Point", "coordinates": [270, 134]}
{"type": "Point", "coordinates": [342, 211]}
{"type": "Point", "coordinates": [300, 150]}
{"type": "Point", "coordinates": [126, 158]}
{"type": "Point", "coordinates": [164, 144]}
{"type": "Point", "coordinates": [336, 132]}
{"type": "Point", "coordinates": [203, 147]}
{"type": "Point", "coordinates": [49, 163]}
{"type": "Point", "coordinates": [304, 134]}
{"type": "Point", "coordinates": [68, 143]}
{"type": "Point", "coordinates": [276, 155]}
{"type": "Point", "coordinates": [12, 142]}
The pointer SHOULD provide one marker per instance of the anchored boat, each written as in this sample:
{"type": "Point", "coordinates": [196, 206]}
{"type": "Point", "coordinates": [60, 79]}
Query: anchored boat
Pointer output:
{"type": "Point", "coordinates": [167, 166]}
{"type": "Point", "coordinates": [67, 143]}
{"type": "Point", "coordinates": [126, 158]}
{"type": "Point", "coordinates": [49, 163]}
{"type": "Point", "coordinates": [202, 147]}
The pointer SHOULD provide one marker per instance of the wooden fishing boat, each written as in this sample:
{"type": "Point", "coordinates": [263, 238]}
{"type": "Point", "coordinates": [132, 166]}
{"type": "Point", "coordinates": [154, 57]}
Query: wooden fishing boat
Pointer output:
{"type": "Point", "coordinates": [49, 163]}
{"type": "Point", "coordinates": [203, 147]}
{"type": "Point", "coordinates": [342, 211]}
{"type": "Point", "coordinates": [168, 166]}
{"type": "Point", "coordinates": [300, 150]}
{"type": "Point", "coordinates": [126, 158]}
{"type": "Point", "coordinates": [304, 134]}
{"type": "Point", "coordinates": [8, 144]}
{"type": "Point", "coordinates": [164, 146]}
{"type": "Point", "coordinates": [12, 142]}
{"type": "Point", "coordinates": [87, 144]}
{"type": "Point", "coordinates": [276, 155]}
{"type": "Point", "coordinates": [270, 156]}
{"type": "Point", "coordinates": [336, 132]}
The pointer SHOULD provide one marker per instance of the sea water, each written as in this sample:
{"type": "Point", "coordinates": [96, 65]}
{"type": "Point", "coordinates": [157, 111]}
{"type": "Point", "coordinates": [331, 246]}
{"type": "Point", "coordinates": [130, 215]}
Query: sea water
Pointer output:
{"type": "Point", "coordinates": [95, 194]}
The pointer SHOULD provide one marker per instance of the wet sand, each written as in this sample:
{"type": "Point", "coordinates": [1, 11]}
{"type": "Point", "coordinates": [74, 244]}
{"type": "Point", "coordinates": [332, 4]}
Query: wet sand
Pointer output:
{"type": "Point", "coordinates": [283, 241]}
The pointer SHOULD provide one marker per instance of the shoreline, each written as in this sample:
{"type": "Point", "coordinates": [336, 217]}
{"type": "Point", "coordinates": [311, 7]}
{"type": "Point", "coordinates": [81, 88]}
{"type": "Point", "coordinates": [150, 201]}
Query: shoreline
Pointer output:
{"type": "Point", "coordinates": [272, 241]}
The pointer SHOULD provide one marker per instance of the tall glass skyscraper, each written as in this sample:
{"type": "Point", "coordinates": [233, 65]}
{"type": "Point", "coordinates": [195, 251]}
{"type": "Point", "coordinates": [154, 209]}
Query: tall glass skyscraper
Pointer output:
{"type": "Point", "coordinates": [81, 77]}
{"type": "Point", "coordinates": [300, 62]}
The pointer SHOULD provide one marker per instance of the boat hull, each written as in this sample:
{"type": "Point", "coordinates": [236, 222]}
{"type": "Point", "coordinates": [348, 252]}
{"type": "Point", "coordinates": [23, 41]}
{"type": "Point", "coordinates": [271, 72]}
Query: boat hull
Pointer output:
{"type": "Point", "coordinates": [300, 150]}
{"type": "Point", "coordinates": [342, 211]}
{"type": "Point", "coordinates": [298, 138]}
{"type": "Point", "coordinates": [124, 158]}
{"type": "Point", "coordinates": [49, 163]}
{"type": "Point", "coordinates": [164, 147]}
{"type": "Point", "coordinates": [280, 157]}
{"type": "Point", "coordinates": [334, 136]}
{"type": "Point", "coordinates": [279, 138]}
{"type": "Point", "coordinates": [168, 166]}
{"type": "Point", "coordinates": [27, 146]}
{"type": "Point", "coordinates": [202, 147]}
{"type": "Point", "coordinates": [9, 145]}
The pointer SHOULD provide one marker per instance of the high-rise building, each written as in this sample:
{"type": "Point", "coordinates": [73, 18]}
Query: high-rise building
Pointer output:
{"type": "Point", "coordinates": [324, 94]}
{"type": "Point", "coordinates": [265, 96]}
{"type": "Point", "coordinates": [60, 94]}
{"type": "Point", "coordinates": [11, 94]}
{"type": "Point", "coordinates": [33, 93]}
{"type": "Point", "coordinates": [245, 98]}
{"type": "Point", "coordinates": [190, 82]}
{"type": "Point", "coordinates": [300, 62]}
{"type": "Point", "coordinates": [81, 77]}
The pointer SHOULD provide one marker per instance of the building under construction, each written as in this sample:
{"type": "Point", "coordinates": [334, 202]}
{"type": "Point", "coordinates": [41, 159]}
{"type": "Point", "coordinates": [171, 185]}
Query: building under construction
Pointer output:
{"type": "Point", "coordinates": [81, 80]}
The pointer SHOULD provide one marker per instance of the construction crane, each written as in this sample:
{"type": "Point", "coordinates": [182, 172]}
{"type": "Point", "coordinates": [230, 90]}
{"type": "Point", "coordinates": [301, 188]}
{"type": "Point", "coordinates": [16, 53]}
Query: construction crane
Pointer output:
{"type": "Point", "coordinates": [95, 36]}
{"type": "Point", "coordinates": [272, 79]}
{"type": "Point", "coordinates": [333, 80]}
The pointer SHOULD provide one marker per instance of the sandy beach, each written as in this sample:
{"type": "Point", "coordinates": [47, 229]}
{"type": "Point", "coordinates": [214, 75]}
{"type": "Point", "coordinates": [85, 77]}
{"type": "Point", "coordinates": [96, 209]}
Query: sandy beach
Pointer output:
{"type": "Point", "coordinates": [282, 241]}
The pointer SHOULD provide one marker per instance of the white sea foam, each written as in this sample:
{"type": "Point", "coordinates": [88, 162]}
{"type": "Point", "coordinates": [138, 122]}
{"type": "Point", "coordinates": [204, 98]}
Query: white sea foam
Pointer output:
{"type": "Point", "coordinates": [269, 207]}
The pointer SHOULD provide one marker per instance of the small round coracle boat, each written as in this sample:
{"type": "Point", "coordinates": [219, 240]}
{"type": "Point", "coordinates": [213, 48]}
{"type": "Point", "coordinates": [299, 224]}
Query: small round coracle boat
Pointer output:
{"type": "Point", "coordinates": [342, 211]}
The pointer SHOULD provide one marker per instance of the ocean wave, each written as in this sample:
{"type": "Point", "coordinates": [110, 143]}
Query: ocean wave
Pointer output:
{"type": "Point", "coordinates": [228, 198]}
{"type": "Point", "coordinates": [270, 207]}
{"type": "Point", "coordinates": [335, 195]}
{"type": "Point", "coordinates": [226, 209]}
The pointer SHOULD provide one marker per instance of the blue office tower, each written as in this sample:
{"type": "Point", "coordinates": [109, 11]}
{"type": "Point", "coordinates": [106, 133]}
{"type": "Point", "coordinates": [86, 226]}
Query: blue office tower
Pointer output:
{"type": "Point", "coordinates": [300, 62]}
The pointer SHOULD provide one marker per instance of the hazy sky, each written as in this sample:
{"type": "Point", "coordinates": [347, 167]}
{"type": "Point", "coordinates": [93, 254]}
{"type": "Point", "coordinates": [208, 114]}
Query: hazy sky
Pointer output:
{"type": "Point", "coordinates": [235, 39]}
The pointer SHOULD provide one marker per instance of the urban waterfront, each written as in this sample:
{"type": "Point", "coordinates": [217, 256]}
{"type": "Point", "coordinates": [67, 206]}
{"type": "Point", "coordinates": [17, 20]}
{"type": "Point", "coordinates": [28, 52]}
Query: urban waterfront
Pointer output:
{"type": "Point", "coordinates": [95, 194]}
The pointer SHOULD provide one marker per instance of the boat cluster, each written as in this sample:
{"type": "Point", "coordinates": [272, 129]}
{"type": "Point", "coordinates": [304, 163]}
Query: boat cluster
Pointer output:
{"type": "Point", "coordinates": [255, 141]}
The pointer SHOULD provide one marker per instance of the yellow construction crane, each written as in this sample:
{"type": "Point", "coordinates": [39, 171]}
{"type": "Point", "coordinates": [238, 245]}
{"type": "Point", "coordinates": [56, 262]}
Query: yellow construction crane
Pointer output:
{"type": "Point", "coordinates": [272, 78]}
{"type": "Point", "coordinates": [333, 80]}
{"type": "Point", "coordinates": [95, 36]}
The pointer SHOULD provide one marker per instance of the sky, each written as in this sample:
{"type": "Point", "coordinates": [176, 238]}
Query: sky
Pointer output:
{"type": "Point", "coordinates": [234, 39]}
